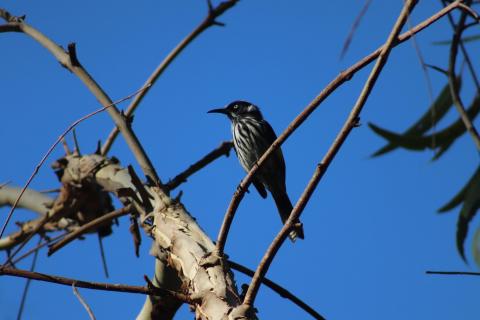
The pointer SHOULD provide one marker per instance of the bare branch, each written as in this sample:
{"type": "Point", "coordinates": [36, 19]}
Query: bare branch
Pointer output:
{"type": "Point", "coordinates": [428, 81]}
{"type": "Point", "coordinates": [354, 27]}
{"type": "Point", "coordinates": [284, 293]}
{"type": "Point", "coordinates": [457, 273]}
{"type": "Point", "coordinates": [223, 149]}
{"type": "Point", "coordinates": [457, 101]}
{"type": "Point", "coordinates": [210, 20]}
{"type": "Point", "coordinates": [155, 291]}
{"type": "Point", "coordinates": [331, 87]}
{"type": "Point", "coordinates": [27, 284]}
{"type": "Point", "coordinates": [465, 53]}
{"type": "Point", "coordinates": [83, 302]}
{"type": "Point", "coordinates": [350, 123]}
{"type": "Point", "coordinates": [92, 225]}
{"type": "Point", "coordinates": [38, 247]}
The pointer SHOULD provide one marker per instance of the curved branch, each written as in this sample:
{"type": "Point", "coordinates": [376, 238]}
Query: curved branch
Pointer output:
{"type": "Point", "coordinates": [209, 21]}
{"type": "Point", "coordinates": [284, 293]}
{"type": "Point", "coordinates": [457, 101]}
{"type": "Point", "coordinates": [32, 200]}
{"type": "Point", "coordinates": [155, 291]}
{"type": "Point", "coordinates": [223, 149]}
{"type": "Point", "coordinates": [331, 87]}
{"type": "Point", "coordinates": [350, 123]}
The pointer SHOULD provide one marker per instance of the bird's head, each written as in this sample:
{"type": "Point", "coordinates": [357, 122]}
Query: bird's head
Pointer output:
{"type": "Point", "coordinates": [240, 109]}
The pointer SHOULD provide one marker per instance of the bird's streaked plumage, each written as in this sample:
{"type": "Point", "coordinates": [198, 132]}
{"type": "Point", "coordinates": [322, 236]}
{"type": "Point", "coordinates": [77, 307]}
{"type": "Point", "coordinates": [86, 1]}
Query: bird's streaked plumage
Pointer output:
{"type": "Point", "coordinates": [252, 136]}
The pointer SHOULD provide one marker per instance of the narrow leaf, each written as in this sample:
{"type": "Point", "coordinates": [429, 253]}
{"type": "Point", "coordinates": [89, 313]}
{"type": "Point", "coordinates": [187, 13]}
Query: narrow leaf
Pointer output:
{"type": "Point", "coordinates": [458, 198]}
{"type": "Point", "coordinates": [439, 108]}
{"type": "Point", "coordinates": [464, 40]}
{"type": "Point", "coordinates": [469, 209]}
{"type": "Point", "coordinates": [444, 138]}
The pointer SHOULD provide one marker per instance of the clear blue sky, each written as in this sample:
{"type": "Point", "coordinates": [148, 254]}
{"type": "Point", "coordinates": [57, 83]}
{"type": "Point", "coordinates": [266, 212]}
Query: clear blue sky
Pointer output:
{"type": "Point", "coordinates": [371, 227]}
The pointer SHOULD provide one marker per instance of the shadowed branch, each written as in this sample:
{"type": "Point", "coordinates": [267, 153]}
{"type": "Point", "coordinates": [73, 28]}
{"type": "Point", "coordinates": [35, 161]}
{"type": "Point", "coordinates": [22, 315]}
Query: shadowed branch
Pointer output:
{"type": "Point", "coordinates": [222, 150]}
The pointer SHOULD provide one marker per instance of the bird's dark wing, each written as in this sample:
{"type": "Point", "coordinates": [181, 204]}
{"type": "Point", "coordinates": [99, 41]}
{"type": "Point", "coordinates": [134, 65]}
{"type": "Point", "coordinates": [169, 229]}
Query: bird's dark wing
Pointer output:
{"type": "Point", "coordinates": [278, 155]}
{"type": "Point", "coordinates": [268, 132]}
{"type": "Point", "coordinates": [260, 188]}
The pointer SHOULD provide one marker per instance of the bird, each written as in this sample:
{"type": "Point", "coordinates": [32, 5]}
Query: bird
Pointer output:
{"type": "Point", "coordinates": [252, 136]}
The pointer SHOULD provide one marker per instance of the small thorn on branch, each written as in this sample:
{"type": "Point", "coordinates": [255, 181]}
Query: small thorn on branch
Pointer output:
{"type": "Point", "coordinates": [217, 23]}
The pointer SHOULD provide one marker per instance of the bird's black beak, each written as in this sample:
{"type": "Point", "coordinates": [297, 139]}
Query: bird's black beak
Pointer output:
{"type": "Point", "coordinates": [224, 111]}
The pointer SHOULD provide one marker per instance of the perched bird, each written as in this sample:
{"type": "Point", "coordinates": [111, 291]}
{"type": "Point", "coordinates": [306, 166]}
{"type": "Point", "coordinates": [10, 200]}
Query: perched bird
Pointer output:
{"type": "Point", "coordinates": [252, 136]}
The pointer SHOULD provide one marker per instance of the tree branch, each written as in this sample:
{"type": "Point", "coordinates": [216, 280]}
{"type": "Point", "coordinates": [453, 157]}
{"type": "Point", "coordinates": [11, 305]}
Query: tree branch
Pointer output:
{"type": "Point", "coordinates": [155, 291]}
{"type": "Point", "coordinates": [223, 149]}
{"type": "Point", "coordinates": [284, 293]}
{"type": "Point", "coordinates": [83, 302]}
{"type": "Point", "coordinates": [92, 225]}
{"type": "Point", "coordinates": [331, 87]}
{"type": "Point", "coordinates": [457, 101]}
{"type": "Point", "coordinates": [457, 273]}
{"type": "Point", "coordinates": [351, 122]}
{"type": "Point", "coordinates": [209, 21]}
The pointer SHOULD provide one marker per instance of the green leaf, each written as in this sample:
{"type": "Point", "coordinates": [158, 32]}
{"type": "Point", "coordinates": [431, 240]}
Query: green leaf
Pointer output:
{"type": "Point", "coordinates": [443, 139]}
{"type": "Point", "coordinates": [458, 198]}
{"type": "Point", "coordinates": [439, 108]}
{"type": "Point", "coordinates": [470, 206]}
{"type": "Point", "coordinates": [476, 247]}
{"type": "Point", "coordinates": [411, 142]}
{"type": "Point", "coordinates": [464, 40]}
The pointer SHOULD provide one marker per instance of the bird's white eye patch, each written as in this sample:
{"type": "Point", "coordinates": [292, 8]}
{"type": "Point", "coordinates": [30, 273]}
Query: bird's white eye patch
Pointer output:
{"type": "Point", "coordinates": [235, 107]}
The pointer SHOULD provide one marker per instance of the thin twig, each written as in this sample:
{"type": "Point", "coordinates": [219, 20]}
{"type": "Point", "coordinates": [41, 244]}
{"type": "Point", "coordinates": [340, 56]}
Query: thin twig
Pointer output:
{"type": "Point", "coordinates": [331, 87]}
{"type": "Point", "coordinates": [4, 184]}
{"type": "Point", "coordinates": [457, 273]}
{"type": "Point", "coordinates": [428, 81]}
{"type": "Point", "coordinates": [350, 123]}
{"type": "Point", "coordinates": [209, 21]}
{"type": "Point", "coordinates": [102, 255]}
{"type": "Point", "coordinates": [36, 229]}
{"type": "Point", "coordinates": [457, 100]}
{"type": "Point", "coordinates": [38, 247]}
{"type": "Point", "coordinates": [465, 53]}
{"type": "Point", "coordinates": [156, 291]}
{"type": "Point", "coordinates": [83, 302]}
{"type": "Point", "coordinates": [284, 293]}
{"type": "Point", "coordinates": [54, 190]}
{"type": "Point", "coordinates": [355, 25]}
{"type": "Point", "coordinates": [223, 149]}
{"type": "Point", "coordinates": [27, 284]}
{"type": "Point", "coordinates": [53, 146]}
{"type": "Point", "coordinates": [92, 225]}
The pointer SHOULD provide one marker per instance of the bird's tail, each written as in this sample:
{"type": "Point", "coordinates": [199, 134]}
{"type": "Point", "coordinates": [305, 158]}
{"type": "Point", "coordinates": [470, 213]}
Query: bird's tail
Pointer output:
{"type": "Point", "coordinates": [285, 207]}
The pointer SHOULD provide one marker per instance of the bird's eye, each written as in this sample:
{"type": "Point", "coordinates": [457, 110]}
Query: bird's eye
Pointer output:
{"type": "Point", "coordinates": [235, 107]}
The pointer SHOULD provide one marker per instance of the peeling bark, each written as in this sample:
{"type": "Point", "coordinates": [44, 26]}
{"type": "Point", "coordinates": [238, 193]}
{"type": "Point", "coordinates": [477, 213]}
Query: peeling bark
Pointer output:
{"type": "Point", "coordinates": [186, 259]}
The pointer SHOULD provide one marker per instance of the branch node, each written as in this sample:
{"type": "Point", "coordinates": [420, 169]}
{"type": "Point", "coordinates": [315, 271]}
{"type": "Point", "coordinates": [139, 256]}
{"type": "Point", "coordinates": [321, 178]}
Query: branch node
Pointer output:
{"type": "Point", "coordinates": [72, 53]}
